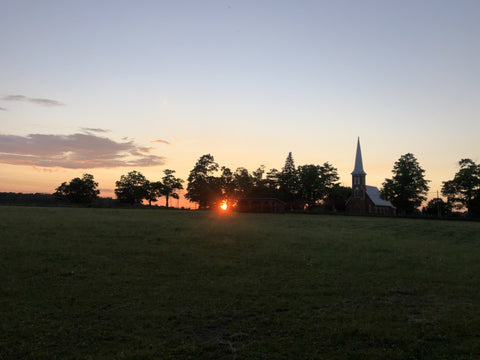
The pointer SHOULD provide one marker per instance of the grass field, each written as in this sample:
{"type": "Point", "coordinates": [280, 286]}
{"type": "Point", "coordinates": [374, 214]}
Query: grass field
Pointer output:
{"type": "Point", "coordinates": [156, 284]}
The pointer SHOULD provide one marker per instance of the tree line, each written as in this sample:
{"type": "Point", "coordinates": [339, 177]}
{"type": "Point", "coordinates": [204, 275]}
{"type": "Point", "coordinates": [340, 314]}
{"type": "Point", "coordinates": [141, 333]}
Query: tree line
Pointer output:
{"type": "Point", "coordinates": [132, 188]}
{"type": "Point", "coordinates": [302, 187]}
{"type": "Point", "coordinates": [408, 189]}
{"type": "Point", "coordinates": [305, 187]}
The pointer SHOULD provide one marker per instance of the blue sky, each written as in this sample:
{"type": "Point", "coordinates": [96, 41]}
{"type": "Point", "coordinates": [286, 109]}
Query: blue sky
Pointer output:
{"type": "Point", "coordinates": [247, 81]}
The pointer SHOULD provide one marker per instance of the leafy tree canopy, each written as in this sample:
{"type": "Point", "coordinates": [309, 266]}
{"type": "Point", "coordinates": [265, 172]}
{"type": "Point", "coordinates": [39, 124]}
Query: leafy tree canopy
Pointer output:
{"type": "Point", "coordinates": [316, 182]}
{"type": "Point", "coordinates": [464, 189]}
{"type": "Point", "coordinates": [227, 184]}
{"type": "Point", "coordinates": [407, 189]}
{"type": "Point", "coordinates": [437, 207]}
{"type": "Point", "coordinates": [132, 188]}
{"type": "Point", "coordinates": [272, 180]}
{"type": "Point", "coordinates": [203, 187]}
{"type": "Point", "coordinates": [170, 185]}
{"type": "Point", "coordinates": [337, 198]}
{"type": "Point", "coordinates": [244, 182]}
{"type": "Point", "coordinates": [260, 186]}
{"type": "Point", "coordinates": [154, 190]}
{"type": "Point", "coordinates": [78, 190]}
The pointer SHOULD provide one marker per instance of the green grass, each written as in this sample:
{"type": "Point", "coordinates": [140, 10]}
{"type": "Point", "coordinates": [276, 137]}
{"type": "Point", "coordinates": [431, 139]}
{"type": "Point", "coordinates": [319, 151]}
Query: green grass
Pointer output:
{"type": "Point", "coordinates": [150, 284]}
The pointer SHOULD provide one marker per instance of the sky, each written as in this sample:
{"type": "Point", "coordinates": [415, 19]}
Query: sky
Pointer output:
{"type": "Point", "coordinates": [109, 86]}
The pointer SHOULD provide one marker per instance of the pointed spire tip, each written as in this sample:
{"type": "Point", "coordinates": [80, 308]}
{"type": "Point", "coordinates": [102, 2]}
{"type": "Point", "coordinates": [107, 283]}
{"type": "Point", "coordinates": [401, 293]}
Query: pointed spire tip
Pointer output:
{"type": "Point", "coordinates": [358, 170]}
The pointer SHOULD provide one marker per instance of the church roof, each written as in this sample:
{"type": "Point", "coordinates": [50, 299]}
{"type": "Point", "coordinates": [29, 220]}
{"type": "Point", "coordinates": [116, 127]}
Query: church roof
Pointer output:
{"type": "Point", "coordinates": [358, 170]}
{"type": "Point", "coordinates": [374, 195]}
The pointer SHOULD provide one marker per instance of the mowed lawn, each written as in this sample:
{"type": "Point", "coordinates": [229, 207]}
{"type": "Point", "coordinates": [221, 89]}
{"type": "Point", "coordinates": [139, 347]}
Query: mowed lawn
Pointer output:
{"type": "Point", "coordinates": [155, 284]}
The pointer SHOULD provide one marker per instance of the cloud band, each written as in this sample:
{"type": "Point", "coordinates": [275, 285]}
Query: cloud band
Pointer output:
{"type": "Point", "coordinates": [76, 151]}
{"type": "Point", "coordinates": [40, 101]}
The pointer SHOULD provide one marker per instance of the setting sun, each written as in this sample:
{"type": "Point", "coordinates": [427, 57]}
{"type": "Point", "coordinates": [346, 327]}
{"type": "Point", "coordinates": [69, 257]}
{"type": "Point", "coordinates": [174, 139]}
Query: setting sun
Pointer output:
{"type": "Point", "coordinates": [224, 205]}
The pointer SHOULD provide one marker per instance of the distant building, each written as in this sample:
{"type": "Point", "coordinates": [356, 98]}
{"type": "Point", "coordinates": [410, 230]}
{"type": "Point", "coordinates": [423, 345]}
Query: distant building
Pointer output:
{"type": "Point", "coordinates": [366, 199]}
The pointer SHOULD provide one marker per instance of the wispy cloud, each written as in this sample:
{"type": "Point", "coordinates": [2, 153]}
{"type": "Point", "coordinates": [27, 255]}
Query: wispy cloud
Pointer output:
{"type": "Point", "coordinates": [161, 141]}
{"type": "Point", "coordinates": [2, 109]}
{"type": "Point", "coordinates": [145, 150]}
{"type": "Point", "coordinates": [14, 98]}
{"type": "Point", "coordinates": [75, 151]}
{"type": "Point", "coordinates": [45, 170]}
{"type": "Point", "coordinates": [46, 102]}
{"type": "Point", "coordinates": [40, 101]}
{"type": "Point", "coordinates": [94, 130]}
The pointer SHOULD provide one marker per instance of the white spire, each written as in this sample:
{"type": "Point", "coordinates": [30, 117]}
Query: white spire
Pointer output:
{"type": "Point", "coordinates": [358, 170]}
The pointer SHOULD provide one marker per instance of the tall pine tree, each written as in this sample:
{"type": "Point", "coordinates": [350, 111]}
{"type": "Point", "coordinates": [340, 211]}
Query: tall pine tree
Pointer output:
{"type": "Point", "coordinates": [289, 182]}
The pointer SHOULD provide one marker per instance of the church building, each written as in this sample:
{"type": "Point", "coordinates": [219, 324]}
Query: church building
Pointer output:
{"type": "Point", "coordinates": [366, 199]}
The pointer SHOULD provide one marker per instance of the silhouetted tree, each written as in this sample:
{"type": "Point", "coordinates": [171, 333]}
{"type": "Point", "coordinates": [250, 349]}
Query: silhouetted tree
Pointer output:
{"type": "Point", "coordinates": [154, 190]}
{"type": "Point", "coordinates": [464, 189]}
{"type": "Point", "coordinates": [474, 208]}
{"type": "Point", "coordinates": [272, 183]}
{"type": "Point", "coordinates": [337, 198]}
{"type": "Point", "coordinates": [437, 207]}
{"type": "Point", "coordinates": [243, 183]}
{"type": "Point", "coordinates": [132, 188]}
{"type": "Point", "coordinates": [78, 190]}
{"type": "Point", "coordinates": [310, 185]}
{"type": "Point", "coordinates": [27, 199]}
{"type": "Point", "coordinates": [288, 182]}
{"type": "Point", "coordinates": [329, 177]}
{"type": "Point", "coordinates": [315, 183]}
{"type": "Point", "coordinates": [227, 185]}
{"type": "Point", "coordinates": [170, 185]}
{"type": "Point", "coordinates": [260, 188]}
{"type": "Point", "coordinates": [203, 187]}
{"type": "Point", "coordinates": [407, 189]}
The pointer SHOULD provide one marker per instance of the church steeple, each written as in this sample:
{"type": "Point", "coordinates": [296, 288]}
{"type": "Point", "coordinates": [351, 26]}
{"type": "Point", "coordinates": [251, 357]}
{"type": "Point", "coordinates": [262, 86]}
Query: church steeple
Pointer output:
{"type": "Point", "coordinates": [358, 170]}
{"type": "Point", "coordinates": [358, 175]}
